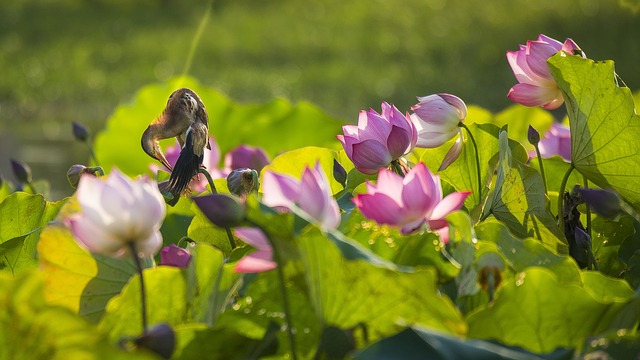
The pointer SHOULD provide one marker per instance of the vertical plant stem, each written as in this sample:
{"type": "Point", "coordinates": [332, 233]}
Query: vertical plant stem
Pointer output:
{"type": "Point", "coordinates": [232, 241]}
{"type": "Point", "coordinates": [563, 184]}
{"type": "Point", "coordinates": [588, 213]}
{"type": "Point", "coordinates": [92, 154]}
{"type": "Point", "coordinates": [475, 148]}
{"type": "Point", "coordinates": [143, 297]}
{"type": "Point", "coordinates": [196, 38]}
{"type": "Point", "coordinates": [540, 163]}
{"type": "Point", "coordinates": [283, 288]}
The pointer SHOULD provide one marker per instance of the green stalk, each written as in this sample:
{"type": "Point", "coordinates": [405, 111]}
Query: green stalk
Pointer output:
{"type": "Point", "coordinates": [283, 287]}
{"type": "Point", "coordinates": [475, 147]}
{"type": "Point", "coordinates": [563, 184]}
{"type": "Point", "coordinates": [540, 163]}
{"type": "Point", "coordinates": [204, 172]}
{"type": "Point", "coordinates": [143, 297]}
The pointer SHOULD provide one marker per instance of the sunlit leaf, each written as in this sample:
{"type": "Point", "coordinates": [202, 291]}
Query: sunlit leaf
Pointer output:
{"type": "Point", "coordinates": [175, 296]}
{"type": "Point", "coordinates": [523, 253]}
{"type": "Point", "coordinates": [519, 201]}
{"type": "Point", "coordinates": [75, 278]}
{"type": "Point", "coordinates": [22, 218]}
{"type": "Point", "coordinates": [604, 126]}
{"type": "Point", "coordinates": [347, 293]}
{"type": "Point", "coordinates": [524, 314]}
{"type": "Point", "coordinates": [32, 329]}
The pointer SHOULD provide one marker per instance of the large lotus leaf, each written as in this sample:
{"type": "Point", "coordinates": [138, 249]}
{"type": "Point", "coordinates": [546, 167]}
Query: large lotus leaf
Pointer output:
{"type": "Point", "coordinates": [524, 253]}
{"type": "Point", "coordinates": [77, 279]}
{"type": "Point", "coordinates": [519, 201]}
{"type": "Point", "coordinates": [347, 293]}
{"type": "Point", "coordinates": [22, 218]}
{"type": "Point", "coordinates": [462, 173]}
{"type": "Point", "coordinates": [539, 313]}
{"type": "Point", "coordinates": [422, 343]}
{"type": "Point", "coordinates": [418, 249]}
{"type": "Point", "coordinates": [293, 163]}
{"type": "Point", "coordinates": [32, 329]}
{"type": "Point", "coordinates": [261, 305]}
{"type": "Point", "coordinates": [276, 126]}
{"type": "Point", "coordinates": [175, 296]}
{"type": "Point", "coordinates": [606, 238]}
{"type": "Point", "coordinates": [604, 126]}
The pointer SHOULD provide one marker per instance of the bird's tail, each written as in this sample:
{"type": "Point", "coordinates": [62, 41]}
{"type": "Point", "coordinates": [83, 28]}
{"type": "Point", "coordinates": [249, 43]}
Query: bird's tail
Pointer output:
{"type": "Point", "coordinates": [185, 169]}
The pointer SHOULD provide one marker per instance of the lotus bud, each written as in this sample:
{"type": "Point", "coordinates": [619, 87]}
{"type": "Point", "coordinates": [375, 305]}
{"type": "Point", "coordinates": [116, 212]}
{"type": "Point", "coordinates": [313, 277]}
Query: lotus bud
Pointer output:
{"type": "Point", "coordinates": [175, 256]}
{"type": "Point", "coordinates": [243, 181]}
{"type": "Point", "coordinates": [222, 210]}
{"type": "Point", "coordinates": [339, 173]}
{"type": "Point", "coordinates": [80, 132]}
{"type": "Point", "coordinates": [21, 171]}
{"type": "Point", "coordinates": [160, 339]}
{"type": "Point", "coordinates": [533, 136]}
{"type": "Point", "coordinates": [605, 203]}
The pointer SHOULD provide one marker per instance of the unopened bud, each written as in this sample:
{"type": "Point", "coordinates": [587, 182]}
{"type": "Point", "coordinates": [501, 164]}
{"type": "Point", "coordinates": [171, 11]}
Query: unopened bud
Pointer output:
{"type": "Point", "coordinates": [161, 339]}
{"type": "Point", "coordinates": [339, 173]}
{"type": "Point", "coordinates": [80, 132]}
{"type": "Point", "coordinates": [533, 136]}
{"type": "Point", "coordinates": [243, 181]}
{"type": "Point", "coordinates": [245, 156]}
{"type": "Point", "coordinates": [175, 256]}
{"type": "Point", "coordinates": [222, 210]}
{"type": "Point", "coordinates": [21, 171]}
{"type": "Point", "coordinates": [75, 172]}
{"type": "Point", "coordinates": [605, 203]}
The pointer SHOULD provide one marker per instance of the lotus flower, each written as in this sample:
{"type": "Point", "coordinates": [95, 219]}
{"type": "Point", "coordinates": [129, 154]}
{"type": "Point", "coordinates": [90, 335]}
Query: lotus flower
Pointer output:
{"type": "Point", "coordinates": [311, 194]}
{"type": "Point", "coordinates": [210, 160]}
{"type": "Point", "coordinates": [529, 64]}
{"type": "Point", "coordinates": [409, 202]}
{"type": "Point", "coordinates": [118, 212]}
{"type": "Point", "coordinates": [556, 141]}
{"type": "Point", "coordinates": [259, 260]}
{"type": "Point", "coordinates": [246, 157]}
{"type": "Point", "coordinates": [437, 118]}
{"type": "Point", "coordinates": [378, 139]}
{"type": "Point", "coordinates": [175, 256]}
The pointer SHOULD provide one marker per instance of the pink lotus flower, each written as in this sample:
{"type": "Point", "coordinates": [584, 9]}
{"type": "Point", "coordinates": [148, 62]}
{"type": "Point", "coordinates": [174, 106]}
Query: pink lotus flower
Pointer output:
{"type": "Point", "coordinates": [245, 156]}
{"type": "Point", "coordinates": [259, 260]}
{"type": "Point", "coordinates": [437, 117]}
{"type": "Point", "coordinates": [529, 64]}
{"type": "Point", "coordinates": [378, 139]}
{"type": "Point", "coordinates": [175, 256]}
{"type": "Point", "coordinates": [312, 194]}
{"type": "Point", "coordinates": [409, 202]}
{"type": "Point", "coordinates": [117, 212]}
{"type": "Point", "coordinates": [210, 161]}
{"type": "Point", "coordinates": [556, 141]}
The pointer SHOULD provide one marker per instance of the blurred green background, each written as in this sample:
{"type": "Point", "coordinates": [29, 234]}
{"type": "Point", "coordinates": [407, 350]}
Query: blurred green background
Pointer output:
{"type": "Point", "coordinates": [74, 60]}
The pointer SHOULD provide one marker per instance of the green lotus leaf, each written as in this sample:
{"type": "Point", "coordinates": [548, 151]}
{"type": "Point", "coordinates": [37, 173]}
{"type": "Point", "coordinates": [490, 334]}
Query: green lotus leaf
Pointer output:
{"type": "Point", "coordinates": [604, 125]}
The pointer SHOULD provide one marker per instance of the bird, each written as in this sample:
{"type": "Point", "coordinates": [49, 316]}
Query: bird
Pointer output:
{"type": "Point", "coordinates": [185, 118]}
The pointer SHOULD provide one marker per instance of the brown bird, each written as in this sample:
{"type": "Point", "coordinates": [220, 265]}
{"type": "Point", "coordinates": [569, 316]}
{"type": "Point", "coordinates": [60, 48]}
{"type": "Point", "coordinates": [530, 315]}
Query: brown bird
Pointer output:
{"type": "Point", "coordinates": [185, 118]}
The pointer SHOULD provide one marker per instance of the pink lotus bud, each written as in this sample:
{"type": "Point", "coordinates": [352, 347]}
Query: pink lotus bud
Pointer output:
{"type": "Point", "coordinates": [529, 64]}
{"type": "Point", "coordinates": [409, 202]}
{"type": "Point", "coordinates": [436, 118]}
{"type": "Point", "coordinates": [378, 139]}
{"type": "Point", "coordinates": [175, 256]}
{"type": "Point", "coordinates": [246, 157]}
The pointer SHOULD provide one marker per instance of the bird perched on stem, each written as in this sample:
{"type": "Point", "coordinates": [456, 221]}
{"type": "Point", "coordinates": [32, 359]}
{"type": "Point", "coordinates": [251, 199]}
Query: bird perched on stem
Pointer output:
{"type": "Point", "coordinates": [185, 118]}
